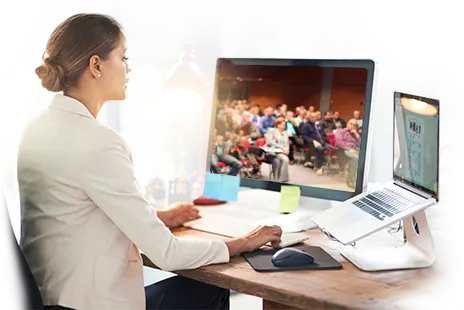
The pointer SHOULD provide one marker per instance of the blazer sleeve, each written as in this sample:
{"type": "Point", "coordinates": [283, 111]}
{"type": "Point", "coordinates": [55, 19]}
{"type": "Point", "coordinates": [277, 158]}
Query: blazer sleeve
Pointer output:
{"type": "Point", "coordinates": [110, 182]}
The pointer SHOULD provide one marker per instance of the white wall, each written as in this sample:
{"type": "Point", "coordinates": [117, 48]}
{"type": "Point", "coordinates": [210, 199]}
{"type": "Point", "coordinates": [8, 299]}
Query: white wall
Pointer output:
{"type": "Point", "coordinates": [428, 67]}
{"type": "Point", "coordinates": [285, 28]}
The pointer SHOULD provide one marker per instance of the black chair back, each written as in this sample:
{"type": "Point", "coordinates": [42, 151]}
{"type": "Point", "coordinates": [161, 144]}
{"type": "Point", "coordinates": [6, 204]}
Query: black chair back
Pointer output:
{"type": "Point", "coordinates": [21, 288]}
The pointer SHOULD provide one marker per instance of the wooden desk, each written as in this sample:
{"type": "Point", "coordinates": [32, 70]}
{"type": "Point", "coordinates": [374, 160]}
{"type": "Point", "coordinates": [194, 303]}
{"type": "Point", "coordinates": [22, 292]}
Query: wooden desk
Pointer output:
{"type": "Point", "coordinates": [348, 288]}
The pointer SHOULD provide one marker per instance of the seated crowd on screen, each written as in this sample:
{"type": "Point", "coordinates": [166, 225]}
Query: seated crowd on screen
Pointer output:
{"type": "Point", "coordinates": [245, 137]}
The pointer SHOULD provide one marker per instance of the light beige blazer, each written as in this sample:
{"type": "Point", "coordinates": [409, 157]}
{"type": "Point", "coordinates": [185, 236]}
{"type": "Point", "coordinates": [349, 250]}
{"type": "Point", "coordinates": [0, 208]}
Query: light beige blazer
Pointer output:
{"type": "Point", "coordinates": [84, 219]}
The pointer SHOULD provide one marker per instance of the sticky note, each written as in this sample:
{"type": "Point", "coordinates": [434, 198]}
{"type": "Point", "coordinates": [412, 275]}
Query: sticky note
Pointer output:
{"type": "Point", "coordinates": [289, 198]}
{"type": "Point", "coordinates": [213, 185]}
{"type": "Point", "coordinates": [222, 187]}
{"type": "Point", "coordinates": [230, 187]}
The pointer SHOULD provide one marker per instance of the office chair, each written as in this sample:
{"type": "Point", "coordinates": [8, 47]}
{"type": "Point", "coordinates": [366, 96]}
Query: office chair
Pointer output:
{"type": "Point", "coordinates": [20, 286]}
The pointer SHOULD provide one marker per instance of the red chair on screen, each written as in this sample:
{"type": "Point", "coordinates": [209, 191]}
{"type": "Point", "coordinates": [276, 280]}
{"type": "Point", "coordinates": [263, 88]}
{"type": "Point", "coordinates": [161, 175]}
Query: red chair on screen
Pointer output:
{"type": "Point", "coordinates": [260, 142]}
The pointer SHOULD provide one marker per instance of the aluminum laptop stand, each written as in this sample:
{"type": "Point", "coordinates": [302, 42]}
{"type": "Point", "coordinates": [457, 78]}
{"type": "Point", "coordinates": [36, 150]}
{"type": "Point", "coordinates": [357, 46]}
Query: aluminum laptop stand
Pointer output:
{"type": "Point", "coordinates": [417, 251]}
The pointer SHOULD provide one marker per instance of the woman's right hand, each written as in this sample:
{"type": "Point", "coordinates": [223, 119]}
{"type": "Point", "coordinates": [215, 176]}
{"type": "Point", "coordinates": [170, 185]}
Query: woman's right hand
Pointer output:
{"type": "Point", "coordinates": [255, 239]}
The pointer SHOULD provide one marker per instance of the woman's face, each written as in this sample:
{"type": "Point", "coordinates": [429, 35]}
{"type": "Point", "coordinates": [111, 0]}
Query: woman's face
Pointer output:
{"type": "Point", "coordinates": [281, 126]}
{"type": "Point", "coordinates": [114, 73]}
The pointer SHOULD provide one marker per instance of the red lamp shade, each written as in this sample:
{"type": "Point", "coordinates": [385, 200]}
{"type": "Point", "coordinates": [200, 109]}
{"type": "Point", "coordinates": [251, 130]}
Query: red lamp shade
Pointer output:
{"type": "Point", "coordinates": [185, 87]}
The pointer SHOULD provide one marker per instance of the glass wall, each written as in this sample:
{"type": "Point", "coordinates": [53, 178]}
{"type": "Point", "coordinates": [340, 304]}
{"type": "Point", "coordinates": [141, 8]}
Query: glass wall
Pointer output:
{"type": "Point", "coordinates": [428, 67]}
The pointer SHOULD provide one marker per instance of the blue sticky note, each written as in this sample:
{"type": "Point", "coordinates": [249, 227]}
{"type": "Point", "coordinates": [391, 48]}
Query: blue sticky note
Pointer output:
{"type": "Point", "coordinates": [230, 187]}
{"type": "Point", "coordinates": [213, 186]}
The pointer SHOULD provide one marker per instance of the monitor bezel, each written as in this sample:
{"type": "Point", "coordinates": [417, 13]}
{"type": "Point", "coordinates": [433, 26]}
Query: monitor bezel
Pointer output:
{"type": "Point", "coordinates": [397, 178]}
{"type": "Point", "coordinates": [306, 190]}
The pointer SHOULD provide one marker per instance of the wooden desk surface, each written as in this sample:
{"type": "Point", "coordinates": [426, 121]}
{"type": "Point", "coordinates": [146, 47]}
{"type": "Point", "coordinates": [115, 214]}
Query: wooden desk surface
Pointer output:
{"type": "Point", "coordinates": [348, 288]}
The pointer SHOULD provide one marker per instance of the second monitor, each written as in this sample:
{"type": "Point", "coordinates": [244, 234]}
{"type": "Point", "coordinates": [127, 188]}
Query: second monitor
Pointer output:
{"type": "Point", "coordinates": [296, 122]}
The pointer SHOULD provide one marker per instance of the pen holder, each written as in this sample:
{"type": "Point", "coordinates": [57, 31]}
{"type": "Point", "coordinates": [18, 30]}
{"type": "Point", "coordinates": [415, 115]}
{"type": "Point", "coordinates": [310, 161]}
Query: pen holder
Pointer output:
{"type": "Point", "coordinates": [179, 191]}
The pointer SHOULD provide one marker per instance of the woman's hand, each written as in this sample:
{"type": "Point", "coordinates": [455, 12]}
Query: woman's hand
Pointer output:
{"type": "Point", "coordinates": [179, 214]}
{"type": "Point", "coordinates": [255, 239]}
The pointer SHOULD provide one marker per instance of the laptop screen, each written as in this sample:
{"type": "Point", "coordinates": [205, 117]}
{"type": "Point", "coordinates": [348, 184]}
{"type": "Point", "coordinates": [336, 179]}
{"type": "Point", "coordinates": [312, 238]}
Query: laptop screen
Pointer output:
{"type": "Point", "coordinates": [416, 143]}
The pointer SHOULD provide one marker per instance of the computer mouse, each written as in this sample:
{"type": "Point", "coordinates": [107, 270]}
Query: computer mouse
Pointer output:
{"type": "Point", "coordinates": [291, 257]}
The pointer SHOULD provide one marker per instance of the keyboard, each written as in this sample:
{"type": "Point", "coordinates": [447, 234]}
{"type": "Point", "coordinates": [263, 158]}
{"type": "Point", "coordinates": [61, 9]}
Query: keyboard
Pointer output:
{"type": "Point", "coordinates": [289, 239]}
{"type": "Point", "coordinates": [234, 229]}
{"type": "Point", "coordinates": [385, 203]}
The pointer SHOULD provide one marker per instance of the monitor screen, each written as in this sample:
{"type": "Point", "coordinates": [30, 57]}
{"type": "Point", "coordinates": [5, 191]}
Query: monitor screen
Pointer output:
{"type": "Point", "coordinates": [416, 142]}
{"type": "Point", "coordinates": [295, 122]}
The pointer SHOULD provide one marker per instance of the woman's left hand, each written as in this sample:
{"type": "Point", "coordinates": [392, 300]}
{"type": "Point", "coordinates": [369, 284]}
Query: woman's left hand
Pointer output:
{"type": "Point", "coordinates": [179, 214]}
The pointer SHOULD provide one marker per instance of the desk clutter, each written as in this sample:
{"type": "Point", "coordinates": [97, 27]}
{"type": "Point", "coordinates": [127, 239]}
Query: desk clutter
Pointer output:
{"type": "Point", "coordinates": [261, 260]}
{"type": "Point", "coordinates": [180, 189]}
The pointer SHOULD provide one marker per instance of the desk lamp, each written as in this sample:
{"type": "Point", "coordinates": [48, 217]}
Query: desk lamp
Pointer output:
{"type": "Point", "coordinates": [185, 89]}
{"type": "Point", "coordinates": [418, 106]}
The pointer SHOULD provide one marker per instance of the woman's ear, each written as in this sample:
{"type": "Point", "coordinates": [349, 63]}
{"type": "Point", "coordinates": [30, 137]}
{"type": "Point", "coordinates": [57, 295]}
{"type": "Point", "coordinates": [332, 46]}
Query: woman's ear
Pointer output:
{"type": "Point", "coordinates": [95, 66]}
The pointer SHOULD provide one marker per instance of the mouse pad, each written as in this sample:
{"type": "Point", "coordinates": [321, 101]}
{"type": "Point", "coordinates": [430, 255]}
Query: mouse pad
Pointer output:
{"type": "Point", "coordinates": [260, 260]}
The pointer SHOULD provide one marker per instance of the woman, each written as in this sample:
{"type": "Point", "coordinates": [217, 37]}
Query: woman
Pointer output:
{"type": "Point", "coordinates": [84, 221]}
{"type": "Point", "coordinates": [278, 138]}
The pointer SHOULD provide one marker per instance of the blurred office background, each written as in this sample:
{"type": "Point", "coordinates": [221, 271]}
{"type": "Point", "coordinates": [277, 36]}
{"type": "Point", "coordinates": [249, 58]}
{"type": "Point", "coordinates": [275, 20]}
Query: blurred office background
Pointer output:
{"type": "Point", "coordinates": [248, 28]}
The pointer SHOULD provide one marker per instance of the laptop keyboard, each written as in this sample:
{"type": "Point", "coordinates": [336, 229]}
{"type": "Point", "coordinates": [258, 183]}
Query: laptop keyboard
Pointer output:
{"type": "Point", "coordinates": [385, 203]}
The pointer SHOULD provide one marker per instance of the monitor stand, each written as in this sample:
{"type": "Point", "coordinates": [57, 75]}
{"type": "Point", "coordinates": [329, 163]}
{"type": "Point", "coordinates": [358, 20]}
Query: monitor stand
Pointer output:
{"type": "Point", "coordinates": [417, 251]}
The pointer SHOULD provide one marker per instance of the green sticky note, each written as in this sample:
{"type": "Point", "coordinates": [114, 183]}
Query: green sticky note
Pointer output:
{"type": "Point", "coordinates": [289, 198]}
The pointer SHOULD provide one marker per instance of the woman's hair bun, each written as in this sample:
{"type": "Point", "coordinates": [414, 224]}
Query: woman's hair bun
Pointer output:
{"type": "Point", "coordinates": [51, 75]}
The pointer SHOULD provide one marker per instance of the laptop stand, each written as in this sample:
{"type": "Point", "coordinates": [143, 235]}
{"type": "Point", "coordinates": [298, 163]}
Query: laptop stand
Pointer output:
{"type": "Point", "coordinates": [417, 251]}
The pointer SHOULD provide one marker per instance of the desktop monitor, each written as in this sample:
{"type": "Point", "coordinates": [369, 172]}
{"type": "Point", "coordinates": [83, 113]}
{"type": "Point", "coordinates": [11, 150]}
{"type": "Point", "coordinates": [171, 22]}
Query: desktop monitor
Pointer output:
{"type": "Point", "coordinates": [298, 122]}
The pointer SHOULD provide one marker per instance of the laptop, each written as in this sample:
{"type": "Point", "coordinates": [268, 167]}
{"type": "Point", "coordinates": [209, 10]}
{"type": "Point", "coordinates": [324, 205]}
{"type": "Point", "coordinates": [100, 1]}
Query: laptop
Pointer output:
{"type": "Point", "coordinates": [414, 186]}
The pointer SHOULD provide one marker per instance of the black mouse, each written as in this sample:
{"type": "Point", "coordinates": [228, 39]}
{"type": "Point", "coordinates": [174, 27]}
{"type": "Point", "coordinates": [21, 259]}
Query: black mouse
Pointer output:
{"type": "Point", "coordinates": [291, 257]}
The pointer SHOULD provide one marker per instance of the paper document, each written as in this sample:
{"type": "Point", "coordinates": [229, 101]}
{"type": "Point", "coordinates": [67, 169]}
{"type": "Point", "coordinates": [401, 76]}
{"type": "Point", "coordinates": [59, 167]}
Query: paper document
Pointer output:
{"type": "Point", "coordinates": [271, 149]}
{"type": "Point", "coordinates": [257, 207]}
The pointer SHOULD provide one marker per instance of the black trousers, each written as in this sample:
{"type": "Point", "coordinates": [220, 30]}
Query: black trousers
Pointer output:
{"type": "Point", "coordinates": [182, 293]}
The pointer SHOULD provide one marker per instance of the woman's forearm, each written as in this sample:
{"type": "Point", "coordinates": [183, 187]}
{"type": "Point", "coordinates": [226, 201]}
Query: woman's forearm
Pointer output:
{"type": "Point", "coordinates": [237, 246]}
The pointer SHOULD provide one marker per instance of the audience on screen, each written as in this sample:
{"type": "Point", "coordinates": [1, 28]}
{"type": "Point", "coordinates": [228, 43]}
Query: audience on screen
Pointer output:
{"type": "Point", "coordinates": [300, 117]}
{"type": "Point", "coordinates": [267, 121]}
{"type": "Point", "coordinates": [227, 124]}
{"type": "Point", "coordinates": [245, 138]}
{"type": "Point", "coordinates": [255, 114]}
{"type": "Point", "coordinates": [349, 141]}
{"type": "Point", "coordinates": [357, 117]}
{"type": "Point", "coordinates": [315, 140]}
{"type": "Point", "coordinates": [219, 155]}
{"type": "Point", "coordinates": [339, 122]}
{"type": "Point", "coordinates": [327, 124]}
{"type": "Point", "coordinates": [281, 110]}
{"type": "Point", "coordinates": [247, 128]}
{"type": "Point", "coordinates": [277, 140]}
